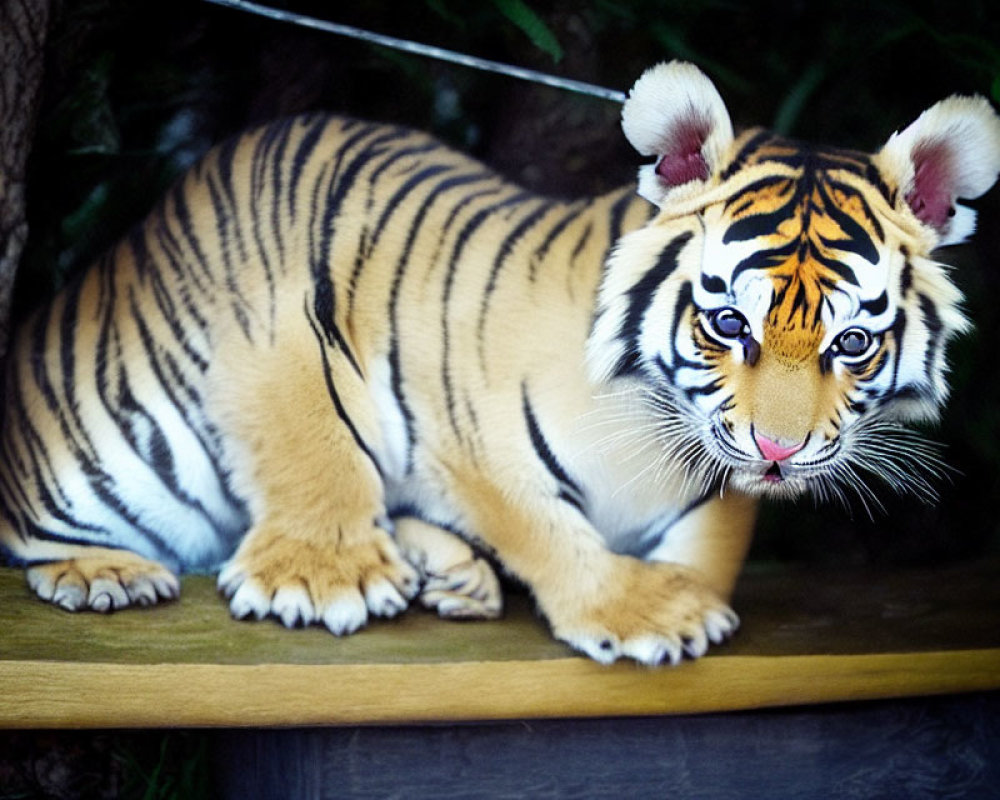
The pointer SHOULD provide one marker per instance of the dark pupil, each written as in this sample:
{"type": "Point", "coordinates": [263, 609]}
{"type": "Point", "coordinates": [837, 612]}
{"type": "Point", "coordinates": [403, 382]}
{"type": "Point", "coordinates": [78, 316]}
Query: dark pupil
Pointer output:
{"type": "Point", "coordinates": [729, 323]}
{"type": "Point", "coordinates": [853, 342]}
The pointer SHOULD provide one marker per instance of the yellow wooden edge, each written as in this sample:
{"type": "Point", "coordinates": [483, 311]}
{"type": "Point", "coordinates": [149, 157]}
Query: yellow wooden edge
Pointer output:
{"type": "Point", "coordinates": [48, 694]}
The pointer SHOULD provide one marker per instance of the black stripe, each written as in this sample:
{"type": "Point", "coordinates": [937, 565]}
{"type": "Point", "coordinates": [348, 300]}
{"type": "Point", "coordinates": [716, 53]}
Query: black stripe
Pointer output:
{"type": "Point", "coordinates": [527, 222]}
{"type": "Point", "coordinates": [574, 212]}
{"type": "Point", "coordinates": [170, 247]}
{"type": "Point", "coordinates": [883, 360]}
{"type": "Point", "coordinates": [746, 151]}
{"type": "Point", "coordinates": [278, 163]}
{"type": "Point", "coordinates": [17, 435]}
{"type": "Point", "coordinates": [367, 246]}
{"type": "Point", "coordinates": [303, 153]}
{"type": "Point", "coordinates": [33, 530]}
{"type": "Point", "coordinates": [764, 224]}
{"type": "Point", "coordinates": [144, 435]}
{"type": "Point", "coordinates": [262, 205]}
{"type": "Point", "coordinates": [747, 196]}
{"type": "Point", "coordinates": [226, 219]}
{"type": "Point", "coordinates": [906, 278]}
{"type": "Point", "coordinates": [324, 212]}
{"type": "Point", "coordinates": [569, 490]}
{"type": "Point", "coordinates": [874, 177]}
{"type": "Point", "coordinates": [335, 395]}
{"type": "Point", "coordinates": [165, 305]}
{"type": "Point", "coordinates": [932, 321]}
{"type": "Point", "coordinates": [713, 284]}
{"type": "Point", "coordinates": [656, 535]}
{"type": "Point", "coordinates": [910, 391]}
{"type": "Point", "coordinates": [709, 388]}
{"type": "Point", "coordinates": [158, 462]}
{"type": "Point", "coordinates": [67, 340]}
{"type": "Point", "coordinates": [876, 305]}
{"type": "Point", "coordinates": [340, 184]}
{"type": "Point", "coordinates": [640, 297]}
{"type": "Point", "coordinates": [581, 243]}
{"type": "Point", "coordinates": [858, 241]}
{"type": "Point", "coordinates": [898, 329]}
{"type": "Point", "coordinates": [765, 259]}
{"type": "Point", "coordinates": [39, 333]}
{"type": "Point", "coordinates": [185, 223]}
{"type": "Point", "coordinates": [685, 299]}
{"type": "Point", "coordinates": [226, 205]}
{"type": "Point", "coordinates": [462, 240]}
{"type": "Point", "coordinates": [413, 230]}
{"type": "Point", "coordinates": [412, 181]}
{"type": "Point", "coordinates": [42, 472]}
{"type": "Point", "coordinates": [618, 212]}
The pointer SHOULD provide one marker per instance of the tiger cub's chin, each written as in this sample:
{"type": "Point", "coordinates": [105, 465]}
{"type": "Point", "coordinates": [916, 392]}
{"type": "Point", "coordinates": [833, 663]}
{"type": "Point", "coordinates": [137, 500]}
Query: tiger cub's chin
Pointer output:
{"type": "Point", "coordinates": [340, 362]}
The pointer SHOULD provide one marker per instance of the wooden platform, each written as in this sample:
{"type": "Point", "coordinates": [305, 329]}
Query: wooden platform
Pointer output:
{"type": "Point", "coordinates": [807, 637]}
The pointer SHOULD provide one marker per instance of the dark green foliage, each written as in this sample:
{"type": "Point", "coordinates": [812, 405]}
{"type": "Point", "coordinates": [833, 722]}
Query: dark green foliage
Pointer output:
{"type": "Point", "coordinates": [80, 765]}
{"type": "Point", "coordinates": [168, 766]}
{"type": "Point", "coordinates": [518, 12]}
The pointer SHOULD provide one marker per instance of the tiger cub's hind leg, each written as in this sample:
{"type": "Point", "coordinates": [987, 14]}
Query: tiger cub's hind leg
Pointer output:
{"type": "Point", "coordinates": [319, 549]}
{"type": "Point", "coordinates": [455, 581]}
{"type": "Point", "coordinates": [101, 579]}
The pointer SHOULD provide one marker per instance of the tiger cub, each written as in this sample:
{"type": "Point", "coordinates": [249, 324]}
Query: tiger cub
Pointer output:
{"type": "Point", "coordinates": [336, 352]}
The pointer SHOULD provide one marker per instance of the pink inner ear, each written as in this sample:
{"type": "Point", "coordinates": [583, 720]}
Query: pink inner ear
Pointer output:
{"type": "Point", "coordinates": [931, 196]}
{"type": "Point", "coordinates": [682, 160]}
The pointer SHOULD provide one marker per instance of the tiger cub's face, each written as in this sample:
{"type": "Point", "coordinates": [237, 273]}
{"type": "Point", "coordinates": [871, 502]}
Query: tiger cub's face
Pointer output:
{"type": "Point", "coordinates": [782, 315]}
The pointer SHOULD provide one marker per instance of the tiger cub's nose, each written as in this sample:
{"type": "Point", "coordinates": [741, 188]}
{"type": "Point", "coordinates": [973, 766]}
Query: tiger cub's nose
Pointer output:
{"type": "Point", "coordinates": [772, 450]}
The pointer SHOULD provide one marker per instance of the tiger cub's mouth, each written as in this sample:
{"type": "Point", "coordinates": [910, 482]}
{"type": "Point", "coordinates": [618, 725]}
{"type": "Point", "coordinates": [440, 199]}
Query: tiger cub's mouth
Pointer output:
{"type": "Point", "coordinates": [770, 478]}
{"type": "Point", "coordinates": [847, 469]}
{"type": "Point", "coordinates": [774, 473]}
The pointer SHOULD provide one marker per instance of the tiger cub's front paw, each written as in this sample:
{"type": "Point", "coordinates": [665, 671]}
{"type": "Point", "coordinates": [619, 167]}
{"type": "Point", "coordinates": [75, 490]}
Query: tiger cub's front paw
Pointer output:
{"type": "Point", "coordinates": [107, 580]}
{"type": "Point", "coordinates": [653, 613]}
{"type": "Point", "coordinates": [337, 584]}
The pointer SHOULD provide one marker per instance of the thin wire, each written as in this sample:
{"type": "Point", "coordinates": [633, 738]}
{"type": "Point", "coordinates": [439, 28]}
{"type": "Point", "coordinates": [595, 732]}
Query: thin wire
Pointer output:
{"type": "Point", "coordinates": [424, 50]}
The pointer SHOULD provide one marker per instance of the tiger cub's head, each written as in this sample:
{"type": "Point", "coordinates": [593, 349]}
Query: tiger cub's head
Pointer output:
{"type": "Point", "coordinates": [782, 313]}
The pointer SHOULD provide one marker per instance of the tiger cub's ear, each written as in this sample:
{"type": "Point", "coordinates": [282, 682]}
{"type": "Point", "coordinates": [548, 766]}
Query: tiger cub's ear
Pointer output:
{"type": "Point", "coordinates": [675, 113]}
{"type": "Point", "coordinates": [951, 152]}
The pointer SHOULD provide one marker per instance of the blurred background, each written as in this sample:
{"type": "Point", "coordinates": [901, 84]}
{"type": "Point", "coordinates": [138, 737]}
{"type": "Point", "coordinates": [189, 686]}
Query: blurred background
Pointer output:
{"type": "Point", "coordinates": [134, 92]}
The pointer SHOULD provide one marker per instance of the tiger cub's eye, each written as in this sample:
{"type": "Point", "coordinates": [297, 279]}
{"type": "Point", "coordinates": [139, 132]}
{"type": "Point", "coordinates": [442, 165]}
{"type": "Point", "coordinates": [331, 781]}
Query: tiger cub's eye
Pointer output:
{"type": "Point", "coordinates": [729, 323]}
{"type": "Point", "coordinates": [853, 342]}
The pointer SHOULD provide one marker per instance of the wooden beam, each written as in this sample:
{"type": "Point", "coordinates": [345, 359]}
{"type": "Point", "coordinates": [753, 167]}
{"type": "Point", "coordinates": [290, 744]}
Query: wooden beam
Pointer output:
{"type": "Point", "coordinates": [808, 637]}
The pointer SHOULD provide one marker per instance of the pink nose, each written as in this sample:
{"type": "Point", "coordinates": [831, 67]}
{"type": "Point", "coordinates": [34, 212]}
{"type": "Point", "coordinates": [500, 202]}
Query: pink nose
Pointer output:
{"type": "Point", "coordinates": [772, 451]}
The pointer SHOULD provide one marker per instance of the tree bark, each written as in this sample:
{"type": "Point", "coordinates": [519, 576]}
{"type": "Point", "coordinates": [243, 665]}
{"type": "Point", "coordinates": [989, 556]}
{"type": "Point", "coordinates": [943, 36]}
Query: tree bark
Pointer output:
{"type": "Point", "coordinates": [23, 25]}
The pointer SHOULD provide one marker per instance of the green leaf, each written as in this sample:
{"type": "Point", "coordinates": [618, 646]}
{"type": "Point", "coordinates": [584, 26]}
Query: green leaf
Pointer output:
{"type": "Point", "coordinates": [439, 8]}
{"type": "Point", "coordinates": [518, 12]}
{"type": "Point", "coordinates": [674, 40]}
{"type": "Point", "coordinates": [795, 100]}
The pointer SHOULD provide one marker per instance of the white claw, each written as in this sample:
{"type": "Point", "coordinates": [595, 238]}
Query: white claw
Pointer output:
{"type": "Point", "coordinates": [69, 597]}
{"type": "Point", "coordinates": [383, 599]}
{"type": "Point", "coordinates": [716, 627]}
{"type": "Point", "coordinates": [697, 645]}
{"type": "Point", "coordinates": [247, 601]}
{"type": "Point", "coordinates": [293, 606]}
{"type": "Point", "coordinates": [346, 614]}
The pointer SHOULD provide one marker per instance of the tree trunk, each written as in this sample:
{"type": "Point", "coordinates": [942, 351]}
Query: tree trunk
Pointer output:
{"type": "Point", "coordinates": [23, 25]}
